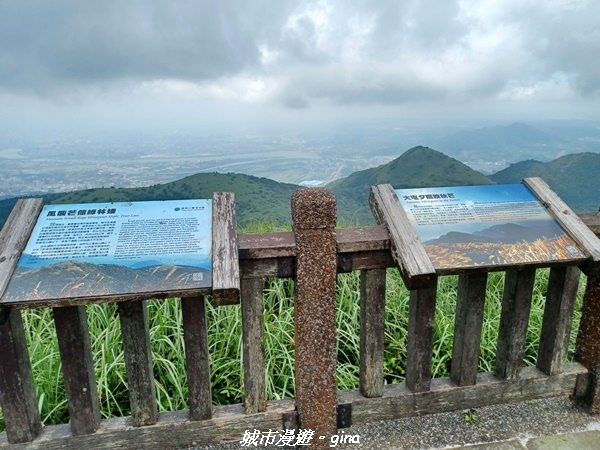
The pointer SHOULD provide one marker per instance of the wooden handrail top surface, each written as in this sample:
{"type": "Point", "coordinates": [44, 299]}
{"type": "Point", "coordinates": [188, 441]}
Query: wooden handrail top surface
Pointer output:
{"type": "Point", "coordinates": [282, 244]}
{"type": "Point", "coordinates": [349, 240]}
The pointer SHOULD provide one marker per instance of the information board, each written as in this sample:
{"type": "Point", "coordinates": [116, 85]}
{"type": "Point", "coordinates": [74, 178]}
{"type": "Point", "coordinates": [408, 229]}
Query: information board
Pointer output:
{"type": "Point", "coordinates": [91, 250]}
{"type": "Point", "coordinates": [466, 226]}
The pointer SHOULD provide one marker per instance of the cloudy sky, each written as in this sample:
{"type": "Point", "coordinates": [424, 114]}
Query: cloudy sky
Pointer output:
{"type": "Point", "coordinates": [159, 64]}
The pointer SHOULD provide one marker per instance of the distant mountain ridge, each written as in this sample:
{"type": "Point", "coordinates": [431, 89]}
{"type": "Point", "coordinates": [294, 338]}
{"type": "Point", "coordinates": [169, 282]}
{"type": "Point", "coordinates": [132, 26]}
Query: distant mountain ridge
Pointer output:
{"type": "Point", "coordinates": [573, 177]}
{"type": "Point", "coordinates": [417, 167]}
{"type": "Point", "coordinates": [506, 233]}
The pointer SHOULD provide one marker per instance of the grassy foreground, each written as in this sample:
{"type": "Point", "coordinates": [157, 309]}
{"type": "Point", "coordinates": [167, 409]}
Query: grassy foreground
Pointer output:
{"type": "Point", "coordinates": [224, 334]}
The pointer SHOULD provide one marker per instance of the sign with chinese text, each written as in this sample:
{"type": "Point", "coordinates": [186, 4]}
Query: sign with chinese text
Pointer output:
{"type": "Point", "coordinates": [90, 250]}
{"type": "Point", "coordinates": [468, 226]}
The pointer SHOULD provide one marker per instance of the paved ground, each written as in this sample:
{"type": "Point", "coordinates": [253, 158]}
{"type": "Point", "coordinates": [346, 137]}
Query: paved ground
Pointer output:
{"type": "Point", "coordinates": [550, 424]}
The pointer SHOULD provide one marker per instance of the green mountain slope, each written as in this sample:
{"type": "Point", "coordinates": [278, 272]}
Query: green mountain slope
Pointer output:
{"type": "Point", "coordinates": [417, 167]}
{"type": "Point", "coordinates": [257, 199]}
{"type": "Point", "coordinates": [575, 178]}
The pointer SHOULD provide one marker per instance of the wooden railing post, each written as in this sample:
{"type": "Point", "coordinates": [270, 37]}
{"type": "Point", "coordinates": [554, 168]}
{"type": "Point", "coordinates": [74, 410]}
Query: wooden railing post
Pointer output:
{"type": "Point", "coordinates": [419, 345]}
{"type": "Point", "coordinates": [197, 360]}
{"type": "Point", "coordinates": [468, 322]}
{"type": "Point", "coordinates": [138, 362]}
{"type": "Point", "coordinates": [314, 219]}
{"type": "Point", "coordinates": [372, 331]}
{"type": "Point", "coordinates": [558, 317]}
{"type": "Point", "coordinates": [254, 349]}
{"type": "Point", "coordinates": [17, 392]}
{"type": "Point", "coordinates": [514, 319]}
{"type": "Point", "coordinates": [78, 368]}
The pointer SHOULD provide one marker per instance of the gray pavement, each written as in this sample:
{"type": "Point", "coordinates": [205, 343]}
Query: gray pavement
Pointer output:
{"type": "Point", "coordinates": [548, 424]}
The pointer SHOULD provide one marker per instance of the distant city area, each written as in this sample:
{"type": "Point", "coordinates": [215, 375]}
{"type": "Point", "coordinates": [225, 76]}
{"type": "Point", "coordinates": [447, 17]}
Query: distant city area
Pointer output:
{"type": "Point", "coordinates": [74, 165]}
{"type": "Point", "coordinates": [68, 164]}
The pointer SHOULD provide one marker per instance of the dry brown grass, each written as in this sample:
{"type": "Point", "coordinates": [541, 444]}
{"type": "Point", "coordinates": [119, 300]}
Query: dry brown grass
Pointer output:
{"type": "Point", "coordinates": [485, 254]}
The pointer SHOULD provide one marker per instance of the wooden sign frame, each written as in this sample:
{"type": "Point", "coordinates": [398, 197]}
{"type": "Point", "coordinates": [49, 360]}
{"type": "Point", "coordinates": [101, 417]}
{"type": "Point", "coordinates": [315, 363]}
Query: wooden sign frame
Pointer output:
{"type": "Point", "coordinates": [225, 287]}
{"type": "Point", "coordinates": [416, 266]}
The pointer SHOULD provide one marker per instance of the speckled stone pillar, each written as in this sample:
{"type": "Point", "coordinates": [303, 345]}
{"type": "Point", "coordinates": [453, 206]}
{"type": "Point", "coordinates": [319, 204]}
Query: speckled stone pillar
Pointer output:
{"type": "Point", "coordinates": [314, 219]}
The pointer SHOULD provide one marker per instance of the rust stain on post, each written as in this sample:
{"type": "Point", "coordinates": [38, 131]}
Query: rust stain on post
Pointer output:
{"type": "Point", "coordinates": [314, 218]}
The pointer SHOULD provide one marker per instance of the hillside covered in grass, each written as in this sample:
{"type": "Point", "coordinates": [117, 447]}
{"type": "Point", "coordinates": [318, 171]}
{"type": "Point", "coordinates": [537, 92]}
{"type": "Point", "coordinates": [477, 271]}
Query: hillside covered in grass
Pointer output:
{"type": "Point", "coordinates": [257, 199]}
{"type": "Point", "coordinates": [573, 177]}
{"type": "Point", "coordinates": [417, 167]}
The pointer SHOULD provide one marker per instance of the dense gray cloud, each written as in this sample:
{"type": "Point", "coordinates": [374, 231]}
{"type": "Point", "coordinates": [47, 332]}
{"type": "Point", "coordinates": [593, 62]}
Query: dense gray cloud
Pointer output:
{"type": "Point", "coordinates": [303, 54]}
{"type": "Point", "coordinates": [61, 43]}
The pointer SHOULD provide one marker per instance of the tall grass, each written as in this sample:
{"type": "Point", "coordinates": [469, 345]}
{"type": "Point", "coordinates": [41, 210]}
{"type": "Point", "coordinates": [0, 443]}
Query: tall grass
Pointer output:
{"type": "Point", "coordinates": [225, 345]}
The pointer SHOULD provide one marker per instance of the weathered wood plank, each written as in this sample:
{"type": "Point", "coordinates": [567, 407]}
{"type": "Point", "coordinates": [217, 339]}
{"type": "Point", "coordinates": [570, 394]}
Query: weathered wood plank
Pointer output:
{"type": "Point", "coordinates": [514, 318]}
{"type": "Point", "coordinates": [364, 260]}
{"type": "Point", "coordinates": [372, 335]}
{"type": "Point", "coordinates": [284, 267]}
{"type": "Point", "coordinates": [17, 391]}
{"type": "Point", "coordinates": [592, 221]}
{"type": "Point", "coordinates": [138, 362]}
{"type": "Point", "coordinates": [567, 218]}
{"type": "Point", "coordinates": [197, 359]}
{"type": "Point", "coordinates": [398, 401]}
{"type": "Point", "coordinates": [253, 343]}
{"type": "Point", "coordinates": [173, 430]}
{"type": "Point", "coordinates": [364, 239]}
{"type": "Point", "coordinates": [421, 315]}
{"type": "Point", "coordinates": [225, 253]}
{"type": "Point", "coordinates": [14, 236]}
{"type": "Point", "coordinates": [408, 252]}
{"type": "Point", "coordinates": [558, 317]}
{"type": "Point", "coordinates": [468, 322]}
{"type": "Point", "coordinates": [266, 245]}
{"type": "Point", "coordinates": [78, 368]}
{"type": "Point", "coordinates": [315, 335]}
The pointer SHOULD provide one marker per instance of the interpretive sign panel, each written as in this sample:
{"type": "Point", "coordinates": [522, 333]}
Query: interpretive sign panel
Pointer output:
{"type": "Point", "coordinates": [91, 250]}
{"type": "Point", "coordinates": [467, 226]}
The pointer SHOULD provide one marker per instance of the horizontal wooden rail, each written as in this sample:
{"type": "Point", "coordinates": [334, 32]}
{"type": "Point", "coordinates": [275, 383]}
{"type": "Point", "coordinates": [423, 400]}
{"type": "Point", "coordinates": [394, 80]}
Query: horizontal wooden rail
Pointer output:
{"type": "Point", "coordinates": [362, 248]}
{"type": "Point", "coordinates": [228, 423]}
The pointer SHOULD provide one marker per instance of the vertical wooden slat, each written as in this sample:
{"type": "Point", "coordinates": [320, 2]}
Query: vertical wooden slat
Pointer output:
{"type": "Point", "coordinates": [566, 217]}
{"type": "Point", "coordinates": [407, 250]}
{"type": "Point", "coordinates": [516, 304]}
{"type": "Point", "coordinates": [467, 328]}
{"type": "Point", "coordinates": [254, 351]}
{"type": "Point", "coordinates": [78, 368]}
{"type": "Point", "coordinates": [372, 332]}
{"type": "Point", "coordinates": [138, 362]}
{"type": "Point", "coordinates": [225, 262]}
{"type": "Point", "coordinates": [587, 349]}
{"type": "Point", "coordinates": [17, 392]}
{"type": "Point", "coordinates": [421, 315]}
{"type": "Point", "coordinates": [197, 362]}
{"type": "Point", "coordinates": [14, 235]}
{"type": "Point", "coordinates": [315, 336]}
{"type": "Point", "coordinates": [558, 317]}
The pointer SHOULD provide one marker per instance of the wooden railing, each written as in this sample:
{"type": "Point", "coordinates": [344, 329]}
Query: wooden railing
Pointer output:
{"type": "Point", "coordinates": [312, 254]}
